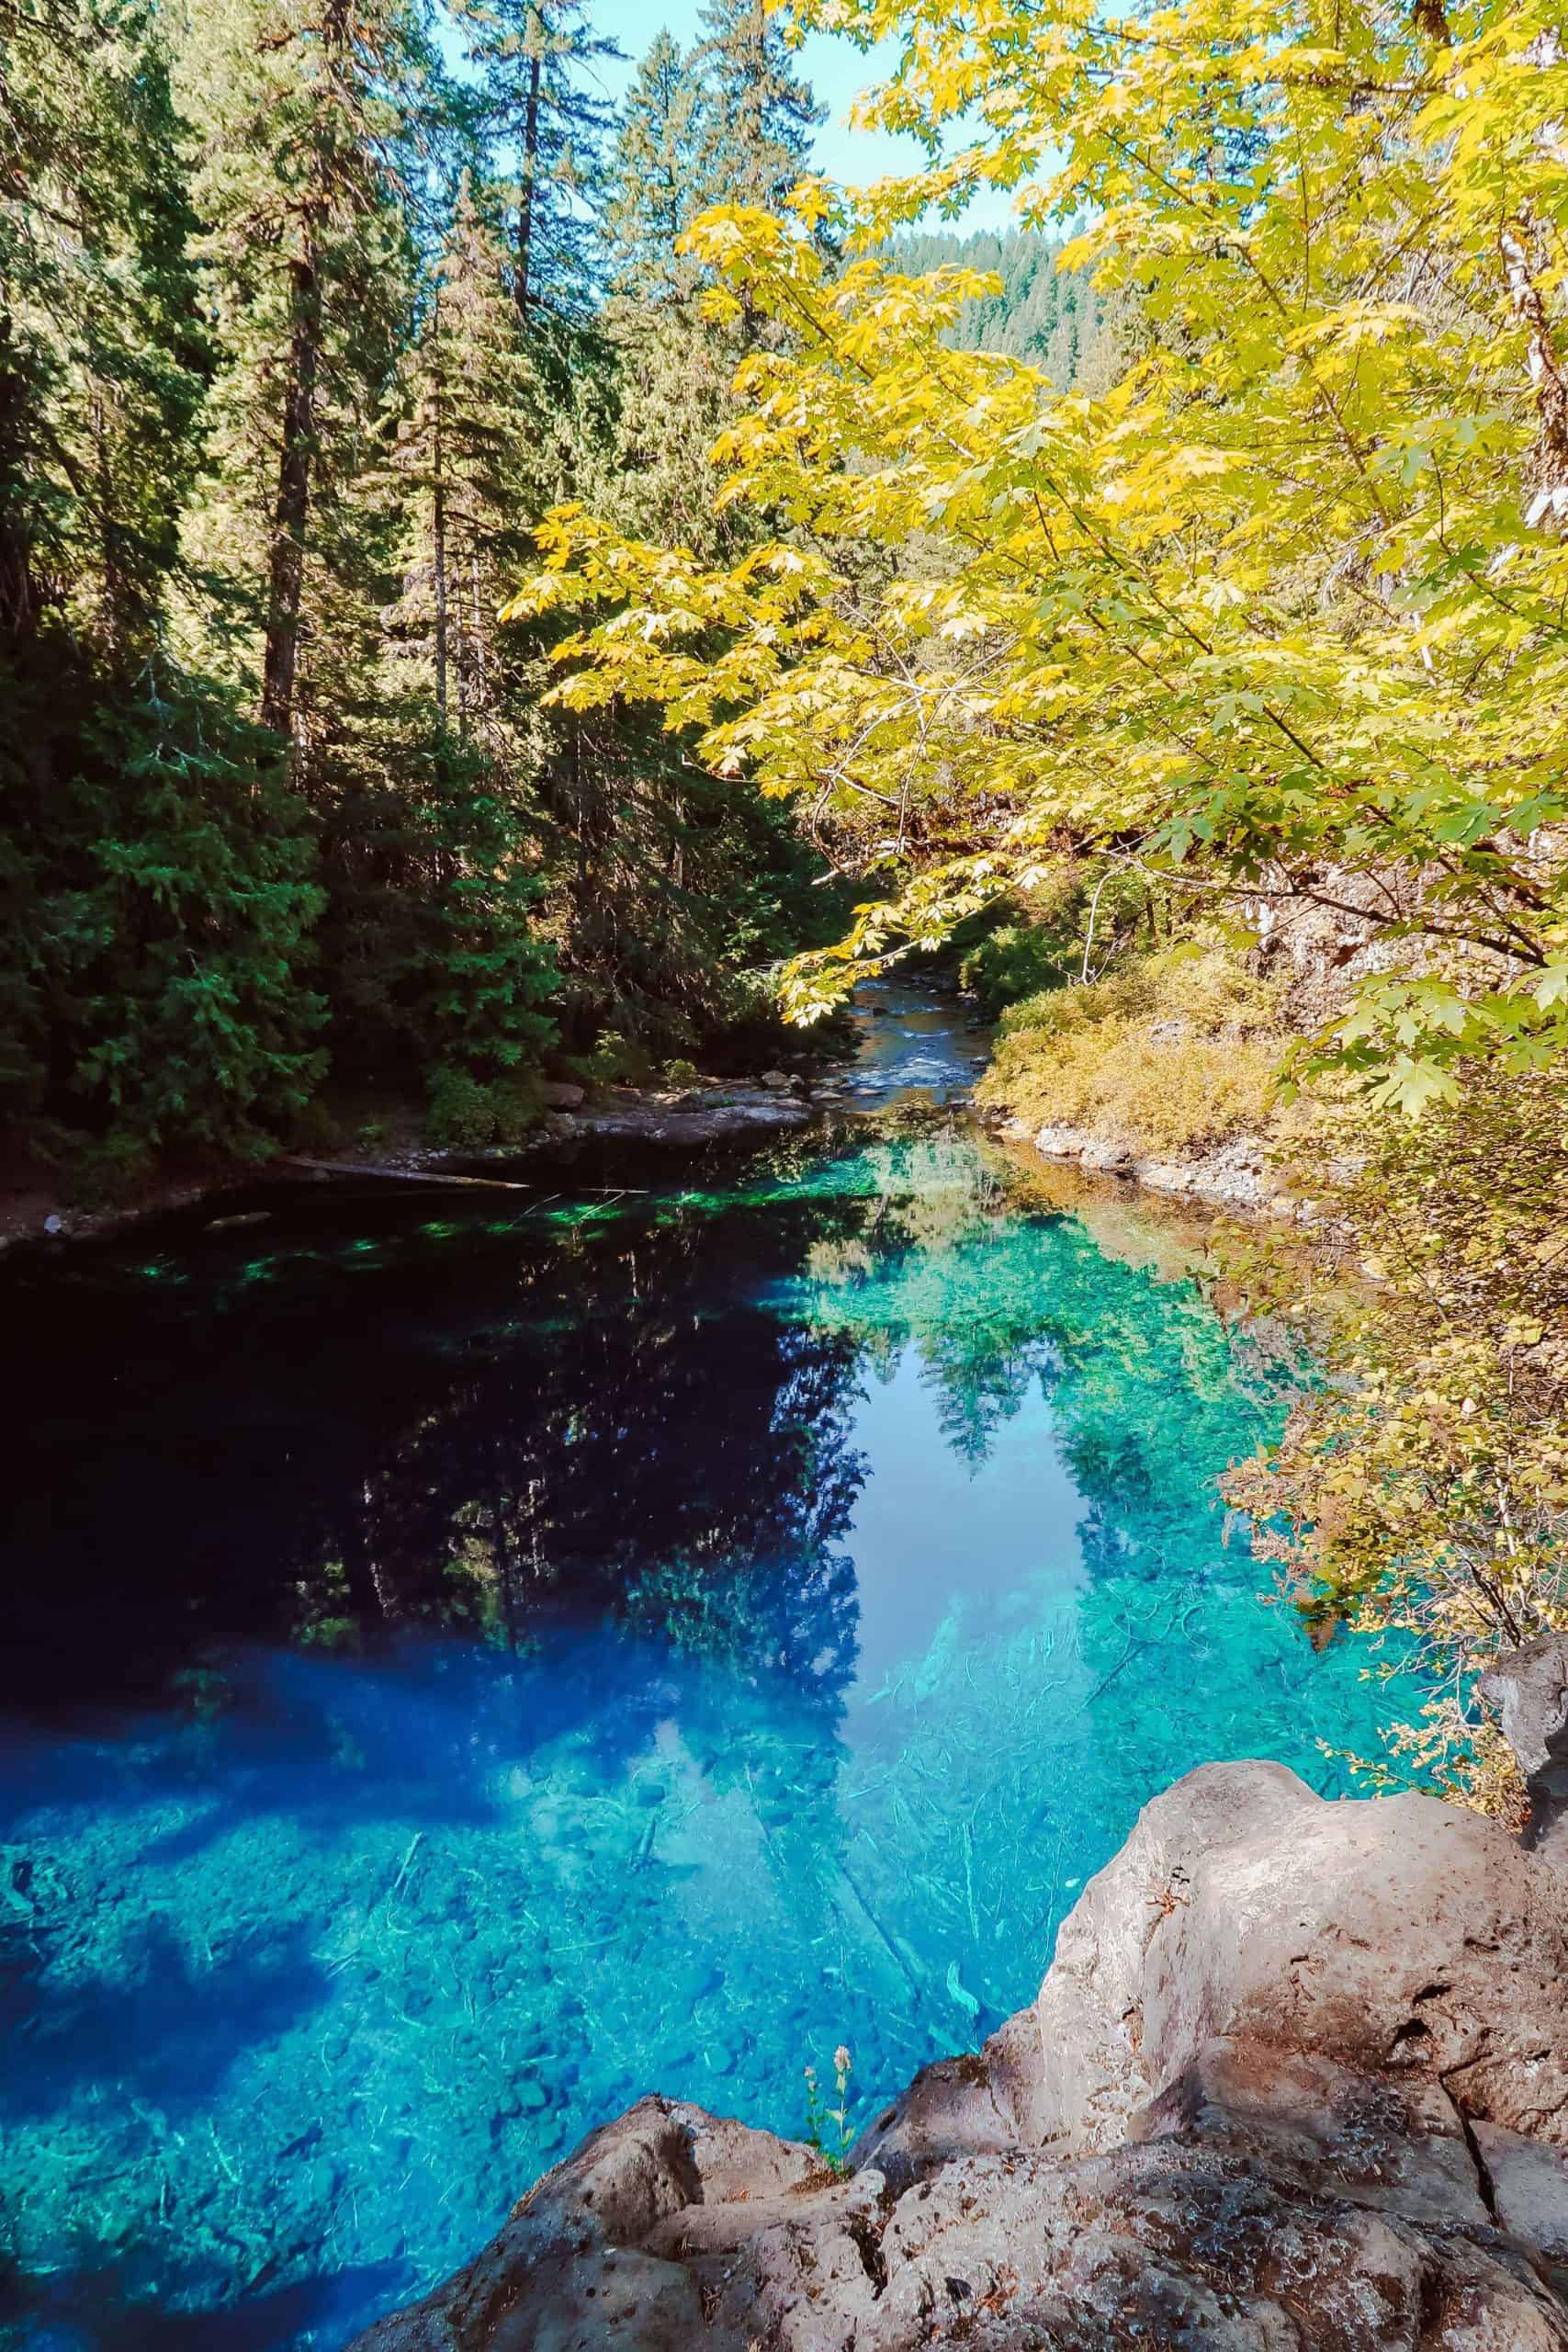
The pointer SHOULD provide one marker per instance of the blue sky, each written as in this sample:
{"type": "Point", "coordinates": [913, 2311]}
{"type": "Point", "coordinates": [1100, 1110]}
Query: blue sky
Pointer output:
{"type": "Point", "coordinates": [837, 72]}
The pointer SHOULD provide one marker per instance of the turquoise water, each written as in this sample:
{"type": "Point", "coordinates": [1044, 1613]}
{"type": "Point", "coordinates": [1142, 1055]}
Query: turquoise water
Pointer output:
{"type": "Point", "coordinates": [471, 1667]}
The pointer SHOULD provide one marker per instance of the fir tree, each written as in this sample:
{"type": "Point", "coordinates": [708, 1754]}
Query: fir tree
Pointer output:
{"type": "Point", "coordinates": [305, 133]}
{"type": "Point", "coordinates": [761, 116]}
{"type": "Point", "coordinates": [533, 59]}
{"type": "Point", "coordinates": [156, 891]}
{"type": "Point", "coordinates": [101, 356]}
{"type": "Point", "coordinates": [472, 468]}
{"type": "Point", "coordinates": [657, 184]}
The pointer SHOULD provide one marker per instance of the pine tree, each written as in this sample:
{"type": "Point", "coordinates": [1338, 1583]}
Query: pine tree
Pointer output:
{"type": "Point", "coordinates": [761, 114]}
{"type": "Point", "coordinates": [101, 356]}
{"type": "Point", "coordinates": [657, 187]}
{"type": "Point", "coordinates": [474, 466]}
{"type": "Point", "coordinates": [435, 850]}
{"type": "Point", "coordinates": [305, 130]}
{"type": "Point", "coordinates": [533, 58]}
{"type": "Point", "coordinates": [155, 889]}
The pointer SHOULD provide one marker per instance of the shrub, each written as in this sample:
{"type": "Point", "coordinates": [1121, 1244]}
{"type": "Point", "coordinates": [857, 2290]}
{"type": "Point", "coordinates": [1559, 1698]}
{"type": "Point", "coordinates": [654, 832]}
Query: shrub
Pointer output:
{"type": "Point", "coordinates": [1422, 1495]}
{"type": "Point", "coordinates": [466, 1113]}
{"type": "Point", "coordinates": [1168, 1053]}
{"type": "Point", "coordinates": [1045, 941]}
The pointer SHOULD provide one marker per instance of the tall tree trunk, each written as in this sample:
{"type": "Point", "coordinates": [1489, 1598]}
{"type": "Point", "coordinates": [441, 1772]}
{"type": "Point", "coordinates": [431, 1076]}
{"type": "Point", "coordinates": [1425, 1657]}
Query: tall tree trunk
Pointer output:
{"type": "Point", "coordinates": [530, 161]}
{"type": "Point", "coordinates": [19, 597]}
{"type": "Point", "coordinates": [291, 508]}
{"type": "Point", "coordinates": [438, 518]}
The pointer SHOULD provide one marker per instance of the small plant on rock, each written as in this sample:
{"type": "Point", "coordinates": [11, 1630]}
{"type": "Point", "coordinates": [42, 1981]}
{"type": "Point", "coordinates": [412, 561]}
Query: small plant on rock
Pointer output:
{"type": "Point", "coordinates": [828, 2128]}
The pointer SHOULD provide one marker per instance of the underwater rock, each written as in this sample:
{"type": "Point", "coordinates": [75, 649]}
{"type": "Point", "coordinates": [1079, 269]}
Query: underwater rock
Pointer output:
{"type": "Point", "coordinates": [1298, 2077]}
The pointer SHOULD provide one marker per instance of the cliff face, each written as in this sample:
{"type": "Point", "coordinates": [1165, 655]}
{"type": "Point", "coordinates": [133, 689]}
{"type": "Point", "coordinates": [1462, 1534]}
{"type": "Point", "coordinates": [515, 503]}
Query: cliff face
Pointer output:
{"type": "Point", "coordinates": [1298, 2077]}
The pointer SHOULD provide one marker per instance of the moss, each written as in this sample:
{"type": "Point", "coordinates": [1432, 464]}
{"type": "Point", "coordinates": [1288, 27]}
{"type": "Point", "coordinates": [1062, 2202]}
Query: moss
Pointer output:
{"type": "Point", "coordinates": [1168, 1053]}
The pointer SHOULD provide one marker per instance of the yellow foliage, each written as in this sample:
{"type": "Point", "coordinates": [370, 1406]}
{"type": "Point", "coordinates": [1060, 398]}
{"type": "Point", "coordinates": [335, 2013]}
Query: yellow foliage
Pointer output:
{"type": "Point", "coordinates": [1284, 603]}
{"type": "Point", "coordinates": [1421, 1494]}
{"type": "Point", "coordinates": [1169, 1054]}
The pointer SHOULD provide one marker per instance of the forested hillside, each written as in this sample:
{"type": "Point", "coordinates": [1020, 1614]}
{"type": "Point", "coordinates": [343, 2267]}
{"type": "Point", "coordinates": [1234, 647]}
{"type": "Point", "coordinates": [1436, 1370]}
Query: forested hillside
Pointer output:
{"type": "Point", "coordinates": [1054, 317]}
{"type": "Point", "coordinates": [308, 312]}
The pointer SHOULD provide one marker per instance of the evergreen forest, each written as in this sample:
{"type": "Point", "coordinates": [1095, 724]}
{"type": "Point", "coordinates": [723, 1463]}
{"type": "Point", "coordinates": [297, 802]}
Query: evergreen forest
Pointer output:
{"type": "Point", "coordinates": [307, 314]}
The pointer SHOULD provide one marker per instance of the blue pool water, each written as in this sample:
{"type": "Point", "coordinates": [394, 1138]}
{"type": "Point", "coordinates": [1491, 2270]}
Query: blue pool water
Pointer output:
{"type": "Point", "coordinates": [470, 1664]}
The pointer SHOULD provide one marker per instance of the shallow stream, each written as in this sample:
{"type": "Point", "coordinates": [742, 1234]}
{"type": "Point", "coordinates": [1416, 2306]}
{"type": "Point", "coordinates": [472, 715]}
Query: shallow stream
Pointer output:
{"type": "Point", "coordinates": [474, 1659]}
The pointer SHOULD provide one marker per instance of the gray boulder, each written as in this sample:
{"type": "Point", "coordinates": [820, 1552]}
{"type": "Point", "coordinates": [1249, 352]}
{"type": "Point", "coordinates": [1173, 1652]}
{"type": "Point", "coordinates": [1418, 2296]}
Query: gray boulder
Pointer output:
{"type": "Point", "coordinates": [1297, 2078]}
{"type": "Point", "coordinates": [1528, 1687]}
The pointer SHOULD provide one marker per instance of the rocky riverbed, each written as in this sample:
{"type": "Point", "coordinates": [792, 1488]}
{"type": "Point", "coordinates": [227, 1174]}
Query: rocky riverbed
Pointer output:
{"type": "Point", "coordinates": [1296, 2081]}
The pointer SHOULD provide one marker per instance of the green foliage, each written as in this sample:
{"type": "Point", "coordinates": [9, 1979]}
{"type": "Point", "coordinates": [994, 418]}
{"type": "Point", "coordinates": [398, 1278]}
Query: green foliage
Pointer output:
{"type": "Point", "coordinates": [828, 2128]}
{"type": "Point", "coordinates": [1055, 318]}
{"type": "Point", "coordinates": [760, 115]}
{"type": "Point", "coordinates": [467, 1112]}
{"type": "Point", "coordinates": [429, 934]}
{"type": "Point", "coordinates": [1076, 922]}
{"type": "Point", "coordinates": [657, 185]}
{"type": "Point", "coordinates": [157, 931]}
{"type": "Point", "coordinates": [538, 106]}
{"type": "Point", "coordinates": [1011, 960]}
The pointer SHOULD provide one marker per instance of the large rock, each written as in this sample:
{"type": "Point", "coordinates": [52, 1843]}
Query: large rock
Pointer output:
{"type": "Point", "coordinates": [1298, 2077]}
{"type": "Point", "coordinates": [1528, 1687]}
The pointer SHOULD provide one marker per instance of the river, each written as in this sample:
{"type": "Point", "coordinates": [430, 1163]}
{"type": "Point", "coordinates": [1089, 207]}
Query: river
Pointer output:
{"type": "Point", "coordinates": [473, 1658]}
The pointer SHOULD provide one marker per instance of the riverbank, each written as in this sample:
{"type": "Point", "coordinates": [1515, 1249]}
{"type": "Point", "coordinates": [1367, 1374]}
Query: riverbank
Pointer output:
{"type": "Point", "coordinates": [683, 1118]}
{"type": "Point", "coordinates": [1237, 1175]}
{"type": "Point", "coordinates": [905, 1043]}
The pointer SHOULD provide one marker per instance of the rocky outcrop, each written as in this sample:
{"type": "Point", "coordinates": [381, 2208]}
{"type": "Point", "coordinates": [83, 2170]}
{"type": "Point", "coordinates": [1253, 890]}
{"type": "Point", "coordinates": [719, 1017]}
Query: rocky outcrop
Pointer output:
{"type": "Point", "coordinates": [1298, 2077]}
{"type": "Point", "coordinates": [1237, 1174]}
{"type": "Point", "coordinates": [684, 1120]}
{"type": "Point", "coordinates": [1528, 1690]}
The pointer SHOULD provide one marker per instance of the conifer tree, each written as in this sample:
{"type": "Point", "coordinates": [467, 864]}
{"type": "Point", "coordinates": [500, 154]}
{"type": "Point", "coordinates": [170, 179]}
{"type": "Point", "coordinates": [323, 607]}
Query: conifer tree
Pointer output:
{"type": "Point", "coordinates": [472, 466]}
{"type": "Point", "coordinates": [155, 892]}
{"type": "Point", "coordinates": [433, 929]}
{"type": "Point", "coordinates": [761, 116]}
{"type": "Point", "coordinates": [101, 355]}
{"type": "Point", "coordinates": [657, 183]}
{"type": "Point", "coordinates": [533, 59]}
{"type": "Point", "coordinates": [304, 123]}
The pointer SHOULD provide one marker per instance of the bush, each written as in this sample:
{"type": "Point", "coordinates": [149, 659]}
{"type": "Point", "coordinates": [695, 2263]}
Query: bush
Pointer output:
{"type": "Point", "coordinates": [1013, 961]}
{"type": "Point", "coordinates": [1168, 1053]}
{"type": "Point", "coordinates": [466, 1113]}
{"type": "Point", "coordinates": [1421, 1495]}
{"type": "Point", "coordinates": [1041, 943]}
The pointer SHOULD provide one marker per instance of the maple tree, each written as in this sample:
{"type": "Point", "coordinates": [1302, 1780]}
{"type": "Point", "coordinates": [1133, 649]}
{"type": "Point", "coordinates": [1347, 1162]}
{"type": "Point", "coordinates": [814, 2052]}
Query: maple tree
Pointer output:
{"type": "Point", "coordinates": [1284, 607]}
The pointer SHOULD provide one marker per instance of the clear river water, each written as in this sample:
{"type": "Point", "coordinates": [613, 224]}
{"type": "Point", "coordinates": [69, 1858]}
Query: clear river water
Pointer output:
{"type": "Point", "coordinates": [473, 1657]}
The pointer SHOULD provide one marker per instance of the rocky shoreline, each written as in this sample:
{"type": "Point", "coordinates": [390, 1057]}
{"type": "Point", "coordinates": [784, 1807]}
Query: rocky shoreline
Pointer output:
{"type": "Point", "coordinates": [1296, 2081]}
{"type": "Point", "coordinates": [1236, 1175]}
{"type": "Point", "coordinates": [682, 1119]}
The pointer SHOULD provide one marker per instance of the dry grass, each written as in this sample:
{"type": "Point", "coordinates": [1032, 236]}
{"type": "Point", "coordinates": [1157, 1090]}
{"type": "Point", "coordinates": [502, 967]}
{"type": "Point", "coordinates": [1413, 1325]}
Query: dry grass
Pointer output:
{"type": "Point", "coordinates": [1171, 1053]}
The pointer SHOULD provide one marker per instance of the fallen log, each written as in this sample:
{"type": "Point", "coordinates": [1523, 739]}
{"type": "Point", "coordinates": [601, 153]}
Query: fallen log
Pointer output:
{"type": "Point", "coordinates": [401, 1175]}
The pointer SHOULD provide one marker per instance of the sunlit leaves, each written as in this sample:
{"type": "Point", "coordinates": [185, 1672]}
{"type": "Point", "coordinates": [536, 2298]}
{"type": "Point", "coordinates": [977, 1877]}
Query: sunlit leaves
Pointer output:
{"type": "Point", "coordinates": [1273, 606]}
